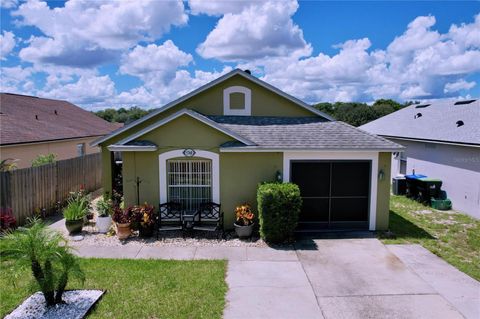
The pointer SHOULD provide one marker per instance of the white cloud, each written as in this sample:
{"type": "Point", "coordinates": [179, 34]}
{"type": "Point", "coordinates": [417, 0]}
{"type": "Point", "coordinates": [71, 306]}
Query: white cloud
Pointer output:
{"type": "Point", "coordinates": [7, 43]}
{"type": "Point", "coordinates": [86, 91]}
{"type": "Point", "coordinates": [16, 80]}
{"type": "Point", "coordinates": [155, 63]}
{"type": "Point", "coordinates": [153, 95]}
{"type": "Point", "coordinates": [262, 30]}
{"type": "Point", "coordinates": [218, 7]}
{"type": "Point", "coordinates": [8, 4]}
{"type": "Point", "coordinates": [88, 33]}
{"type": "Point", "coordinates": [458, 86]}
{"type": "Point", "coordinates": [420, 63]}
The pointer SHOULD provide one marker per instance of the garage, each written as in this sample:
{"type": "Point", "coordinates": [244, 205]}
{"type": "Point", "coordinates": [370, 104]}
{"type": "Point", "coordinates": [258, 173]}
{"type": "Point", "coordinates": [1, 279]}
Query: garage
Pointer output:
{"type": "Point", "coordinates": [336, 194]}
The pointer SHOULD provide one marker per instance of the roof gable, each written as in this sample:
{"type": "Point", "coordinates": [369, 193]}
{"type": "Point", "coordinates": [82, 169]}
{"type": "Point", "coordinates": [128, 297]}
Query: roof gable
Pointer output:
{"type": "Point", "coordinates": [192, 114]}
{"type": "Point", "coordinates": [170, 107]}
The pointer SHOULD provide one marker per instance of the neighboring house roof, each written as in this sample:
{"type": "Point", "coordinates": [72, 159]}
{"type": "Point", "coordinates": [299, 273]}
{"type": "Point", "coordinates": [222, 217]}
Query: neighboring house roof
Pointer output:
{"type": "Point", "coordinates": [29, 119]}
{"type": "Point", "coordinates": [206, 87]}
{"type": "Point", "coordinates": [436, 121]}
{"type": "Point", "coordinates": [300, 133]}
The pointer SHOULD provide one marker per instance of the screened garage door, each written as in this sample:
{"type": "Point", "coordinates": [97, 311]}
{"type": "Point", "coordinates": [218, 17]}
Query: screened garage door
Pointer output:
{"type": "Point", "coordinates": [336, 194]}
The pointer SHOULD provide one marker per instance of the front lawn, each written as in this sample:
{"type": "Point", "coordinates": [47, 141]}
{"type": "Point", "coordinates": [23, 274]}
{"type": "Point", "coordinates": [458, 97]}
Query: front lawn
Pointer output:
{"type": "Point", "coordinates": [453, 236]}
{"type": "Point", "coordinates": [139, 288]}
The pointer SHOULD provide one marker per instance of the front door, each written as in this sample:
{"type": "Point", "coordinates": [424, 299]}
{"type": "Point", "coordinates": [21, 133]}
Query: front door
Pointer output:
{"type": "Point", "coordinates": [336, 194]}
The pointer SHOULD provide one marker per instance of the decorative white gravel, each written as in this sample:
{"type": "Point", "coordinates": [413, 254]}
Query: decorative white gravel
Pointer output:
{"type": "Point", "coordinates": [170, 238]}
{"type": "Point", "coordinates": [77, 304]}
{"type": "Point", "coordinates": [90, 236]}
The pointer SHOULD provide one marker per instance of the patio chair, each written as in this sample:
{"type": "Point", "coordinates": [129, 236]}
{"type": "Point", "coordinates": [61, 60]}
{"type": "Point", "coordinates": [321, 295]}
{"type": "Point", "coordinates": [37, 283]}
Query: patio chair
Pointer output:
{"type": "Point", "coordinates": [169, 217]}
{"type": "Point", "coordinates": [209, 217]}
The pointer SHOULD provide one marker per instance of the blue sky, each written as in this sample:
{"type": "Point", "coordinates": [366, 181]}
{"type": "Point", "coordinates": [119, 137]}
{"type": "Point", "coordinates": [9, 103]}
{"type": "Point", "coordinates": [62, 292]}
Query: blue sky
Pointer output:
{"type": "Point", "coordinates": [112, 53]}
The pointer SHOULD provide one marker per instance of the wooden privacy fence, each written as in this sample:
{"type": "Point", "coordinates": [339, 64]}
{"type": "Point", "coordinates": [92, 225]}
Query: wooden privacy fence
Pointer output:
{"type": "Point", "coordinates": [35, 189]}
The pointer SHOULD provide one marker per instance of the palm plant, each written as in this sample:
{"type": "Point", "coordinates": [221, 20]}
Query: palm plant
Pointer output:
{"type": "Point", "coordinates": [48, 256]}
{"type": "Point", "coordinates": [78, 205]}
{"type": "Point", "coordinates": [75, 210]}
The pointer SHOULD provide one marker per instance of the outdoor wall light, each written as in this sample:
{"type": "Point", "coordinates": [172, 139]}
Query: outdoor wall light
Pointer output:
{"type": "Point", "coordinates": [381, 175]}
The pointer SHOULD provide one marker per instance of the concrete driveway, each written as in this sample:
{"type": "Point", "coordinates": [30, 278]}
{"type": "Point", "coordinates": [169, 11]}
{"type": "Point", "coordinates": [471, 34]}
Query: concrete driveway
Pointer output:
{"type": "Point", "coordinates": [347, 278]}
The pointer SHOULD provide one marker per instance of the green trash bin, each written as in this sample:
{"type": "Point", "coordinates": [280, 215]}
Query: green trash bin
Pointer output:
{"type": "Point", "coordinates": [441, 204]}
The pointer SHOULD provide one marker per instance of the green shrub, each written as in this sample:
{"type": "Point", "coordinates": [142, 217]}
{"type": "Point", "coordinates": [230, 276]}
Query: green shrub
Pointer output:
{"type": "Point", "coordinates": [44, 159]}
{"type": "Point", "coordinates": [278, 210]}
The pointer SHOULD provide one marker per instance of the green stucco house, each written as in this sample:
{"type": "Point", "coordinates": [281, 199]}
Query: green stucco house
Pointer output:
{"type": "Point", "coordinates": [220, 141]}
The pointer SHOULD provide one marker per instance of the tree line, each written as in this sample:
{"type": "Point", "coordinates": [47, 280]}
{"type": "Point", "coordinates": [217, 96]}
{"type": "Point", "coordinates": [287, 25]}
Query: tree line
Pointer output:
{"type": "Point", "coordinates": [357, 114]}
{"type": "Point", "coordinates": [122, 115]}
{"type": "Point", "coordinates": [353, 113]}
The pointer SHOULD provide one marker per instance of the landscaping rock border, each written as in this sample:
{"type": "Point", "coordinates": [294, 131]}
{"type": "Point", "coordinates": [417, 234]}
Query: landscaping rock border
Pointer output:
{"type": "Point", "coordinates": [77, 305]}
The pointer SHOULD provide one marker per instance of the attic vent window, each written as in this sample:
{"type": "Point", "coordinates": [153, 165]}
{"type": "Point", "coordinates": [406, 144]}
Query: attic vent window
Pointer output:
{"type": "Point", "coordinates": [464, 102]}
{"type": "Point", "coordinates": [421, 106]}
{"type": "Point", "coordinates": [460, 123]}
{"type": "Point", "coordinates": [237, 100]}
{"type": "Point", "coordinates": [417, 115]}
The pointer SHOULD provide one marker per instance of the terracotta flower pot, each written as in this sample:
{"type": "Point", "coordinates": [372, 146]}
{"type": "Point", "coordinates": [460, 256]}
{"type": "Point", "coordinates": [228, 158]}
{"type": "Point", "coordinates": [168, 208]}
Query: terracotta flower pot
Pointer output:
{"type": "Point", "coordinates": [243, 231]}
{"type": "Point", "coordinates": [74, 226]}
{"type": "Point", "coordinates": [123, 230]}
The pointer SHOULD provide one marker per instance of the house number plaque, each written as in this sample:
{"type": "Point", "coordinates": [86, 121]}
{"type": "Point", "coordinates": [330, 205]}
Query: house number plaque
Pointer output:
{"type": "Point", "coordinates": [189, 152]}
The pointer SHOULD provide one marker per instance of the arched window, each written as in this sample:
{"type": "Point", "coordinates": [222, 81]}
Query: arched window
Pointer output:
{"type": "Point", "coordinates": [189, 179]}
{"type": "Point", "coordinates": [237, 100]}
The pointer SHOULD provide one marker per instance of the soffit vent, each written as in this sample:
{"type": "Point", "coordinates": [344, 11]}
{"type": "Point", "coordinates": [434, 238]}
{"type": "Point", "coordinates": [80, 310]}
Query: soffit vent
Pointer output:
{"type": "Point", "coordinates": [460, 123]}
{"type": "Point", "coordinates": [417, 115]}
{"type": "Point", "coordinates": [464, 102]}
{"type": "Point", "coordinates": [421, 106]}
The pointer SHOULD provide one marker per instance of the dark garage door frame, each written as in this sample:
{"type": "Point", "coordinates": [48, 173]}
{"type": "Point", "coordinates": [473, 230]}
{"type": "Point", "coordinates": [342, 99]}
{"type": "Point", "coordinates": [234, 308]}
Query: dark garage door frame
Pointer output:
{"type": "Point", "coordinates": [331, 223]}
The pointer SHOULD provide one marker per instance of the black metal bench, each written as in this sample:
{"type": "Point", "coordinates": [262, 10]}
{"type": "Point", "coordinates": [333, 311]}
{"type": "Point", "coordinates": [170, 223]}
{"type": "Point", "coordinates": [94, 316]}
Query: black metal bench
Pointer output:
{"type": "Point", "coordinates": [209, 217]}
{"type": "Point", "coordinates": [169, 217]}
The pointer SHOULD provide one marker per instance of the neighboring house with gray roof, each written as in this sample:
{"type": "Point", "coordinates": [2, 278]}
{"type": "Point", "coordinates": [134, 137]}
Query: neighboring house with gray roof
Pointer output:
{"type": "Point", "coordinates": [220, 141]}
{"type": "Point", "coordinates": [442, 140]}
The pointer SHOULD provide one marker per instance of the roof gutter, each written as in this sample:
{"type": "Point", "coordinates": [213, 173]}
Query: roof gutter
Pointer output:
{"type": "Point", "coordinates": [131, 148]}
{"type": "Point", "coordinates": [431, 141]}
{"type": "Point", "coordinates": [270, 150]}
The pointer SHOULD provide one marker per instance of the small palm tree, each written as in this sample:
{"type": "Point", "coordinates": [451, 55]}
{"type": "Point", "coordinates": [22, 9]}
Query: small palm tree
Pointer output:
{"type": "Point", "coordinates": [47, 254]}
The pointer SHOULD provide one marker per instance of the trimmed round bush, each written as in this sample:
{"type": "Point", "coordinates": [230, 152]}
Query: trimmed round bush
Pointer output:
{"type": "Point", "coordinates": [279, 206]}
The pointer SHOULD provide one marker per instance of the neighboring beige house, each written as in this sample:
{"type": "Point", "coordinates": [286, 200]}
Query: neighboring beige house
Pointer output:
{"type": "Point", "coordinates": [30, 126]}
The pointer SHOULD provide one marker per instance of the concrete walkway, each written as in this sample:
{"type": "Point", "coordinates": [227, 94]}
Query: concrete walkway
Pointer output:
{"type": "Point", "coordinates": [329, 278]}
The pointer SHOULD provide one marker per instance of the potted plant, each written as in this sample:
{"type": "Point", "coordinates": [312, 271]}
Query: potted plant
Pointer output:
{"type": "Point", "coordinates": [74, 214]}
{"type": "Point", "coordinates": [244, 221]}
{"type": "Point", "coordinates": [123, 221]}
{"type": "Point", "coordinates": [144, 219]}
{"type": "Point", "coordinates": [104, 213]}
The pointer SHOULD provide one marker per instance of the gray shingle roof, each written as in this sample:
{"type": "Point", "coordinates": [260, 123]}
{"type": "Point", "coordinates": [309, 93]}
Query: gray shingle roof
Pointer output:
{"type": "Point", "coordinates": [438, 122]}
{"type": "Point", "coordinates": [302, 133]}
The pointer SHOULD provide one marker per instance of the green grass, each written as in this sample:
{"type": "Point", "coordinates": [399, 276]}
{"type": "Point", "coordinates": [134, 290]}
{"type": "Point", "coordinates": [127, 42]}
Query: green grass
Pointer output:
{"type": "Point", "coordinates": [138, 288]}
{"type": "Point", "coordinates": [452, 236]}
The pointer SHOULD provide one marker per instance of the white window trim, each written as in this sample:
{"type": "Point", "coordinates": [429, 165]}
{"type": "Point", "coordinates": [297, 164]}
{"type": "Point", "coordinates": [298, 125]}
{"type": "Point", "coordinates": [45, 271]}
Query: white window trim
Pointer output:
{"type": "Point", "coordinates": [372, 156]}
{"type": "Point", "coordinates": [247, 93]}
{"type": "Point", "coordinates": [162, 162]}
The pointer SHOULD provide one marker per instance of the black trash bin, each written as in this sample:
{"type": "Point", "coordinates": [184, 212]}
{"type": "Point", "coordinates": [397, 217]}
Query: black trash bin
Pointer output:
{"type": "Point", "coordinates": [412, 185]}
{"type": "Point", "coordinates": [428, 188]}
